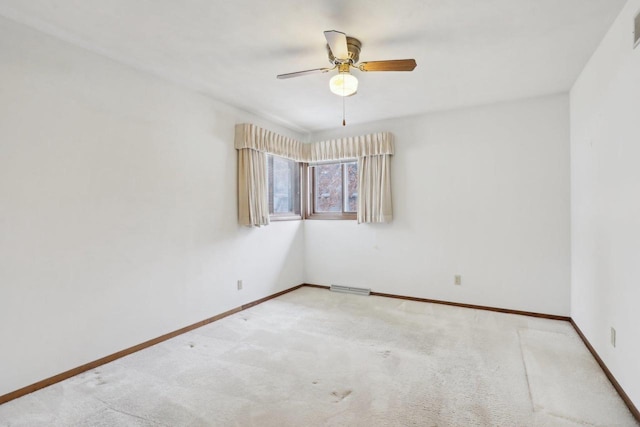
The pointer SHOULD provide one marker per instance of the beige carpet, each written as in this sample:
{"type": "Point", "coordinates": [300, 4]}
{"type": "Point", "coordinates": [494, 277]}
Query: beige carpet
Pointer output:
{"type": "Point", "coordinates": [316, 358]}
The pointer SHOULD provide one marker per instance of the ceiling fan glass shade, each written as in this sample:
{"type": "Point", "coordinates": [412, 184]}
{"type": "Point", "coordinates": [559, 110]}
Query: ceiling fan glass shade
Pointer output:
{"type": "Point", "coordinates": [343, 84]}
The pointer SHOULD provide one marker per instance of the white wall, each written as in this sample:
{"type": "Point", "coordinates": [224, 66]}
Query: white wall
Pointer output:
{"type": "Point", "coordinates": [480, 192]}
{"type": "Point", "coordinates": [117, 210]}
{"type": "Point", "coordinates": [605, 202]}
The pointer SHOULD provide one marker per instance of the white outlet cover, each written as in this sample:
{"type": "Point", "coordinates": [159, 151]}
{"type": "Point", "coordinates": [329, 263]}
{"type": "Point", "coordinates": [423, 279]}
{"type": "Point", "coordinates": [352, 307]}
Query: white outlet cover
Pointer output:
{"type": "Point", "coordinates": [613, 337]}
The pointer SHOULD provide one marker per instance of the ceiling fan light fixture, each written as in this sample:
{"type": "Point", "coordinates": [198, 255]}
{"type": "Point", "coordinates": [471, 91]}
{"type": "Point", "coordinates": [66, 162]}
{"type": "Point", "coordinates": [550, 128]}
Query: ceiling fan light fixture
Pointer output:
{"type": "Point", "coordinates": [343, 84]}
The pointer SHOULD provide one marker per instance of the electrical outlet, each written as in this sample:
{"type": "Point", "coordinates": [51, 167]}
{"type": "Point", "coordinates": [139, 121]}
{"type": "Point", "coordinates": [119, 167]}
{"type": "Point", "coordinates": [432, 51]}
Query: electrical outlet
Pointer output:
{"type": "Point", "coordinates": [239, 285]}
{"type": "Point", "coordinates": [457, 279]}
{"type": "Point", "coordinates": [613, 337]}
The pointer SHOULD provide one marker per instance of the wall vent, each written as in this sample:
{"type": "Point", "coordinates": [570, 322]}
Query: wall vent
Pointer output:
{"type": "Point", "coordinates": [636, 34]}
{"type": "Point", "coordinates": [350, 290]}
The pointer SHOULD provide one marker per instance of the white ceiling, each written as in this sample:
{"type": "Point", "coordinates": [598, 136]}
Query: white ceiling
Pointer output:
{"type": "Point", "coordinates": [469, 52]}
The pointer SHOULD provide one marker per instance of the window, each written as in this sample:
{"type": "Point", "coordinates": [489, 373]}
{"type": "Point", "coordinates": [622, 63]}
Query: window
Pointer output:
{"type": "Point", "coordinates": [284, 188]}
{"type": "Point", "coordinates": [330, 190]}
{"type": "Point", "coordinates": [333, 190]}
{"type": "Point", "coordinates": [313, 194]}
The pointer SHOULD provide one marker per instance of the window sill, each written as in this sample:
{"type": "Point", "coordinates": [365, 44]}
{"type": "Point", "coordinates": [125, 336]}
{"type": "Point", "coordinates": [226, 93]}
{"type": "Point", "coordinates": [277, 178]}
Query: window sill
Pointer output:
{"type": "Point", "coordinates": [331, 217]}
{"type": "Point", "coordinates": [285, 218]}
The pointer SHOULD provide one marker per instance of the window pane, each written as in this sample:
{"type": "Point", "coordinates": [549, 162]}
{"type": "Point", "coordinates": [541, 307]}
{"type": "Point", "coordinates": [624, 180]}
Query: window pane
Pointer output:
{"type": "Point", "coordinates": [282, 186]}
{"type": "Point", "coordinates": [351, 195]}
{"type": "Point", "coordinates": [284, 181]}
{"type": "Point", "coordinates": [328, 188]}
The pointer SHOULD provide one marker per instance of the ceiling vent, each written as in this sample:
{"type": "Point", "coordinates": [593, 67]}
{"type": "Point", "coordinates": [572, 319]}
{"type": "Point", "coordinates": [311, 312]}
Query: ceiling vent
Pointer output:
{"type": "Point", "coordinates": [636, 37]}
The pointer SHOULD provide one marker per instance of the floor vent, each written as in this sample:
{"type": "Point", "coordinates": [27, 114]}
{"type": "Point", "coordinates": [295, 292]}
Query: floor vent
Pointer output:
{"type": "Point", "coordinates": [350, 290]}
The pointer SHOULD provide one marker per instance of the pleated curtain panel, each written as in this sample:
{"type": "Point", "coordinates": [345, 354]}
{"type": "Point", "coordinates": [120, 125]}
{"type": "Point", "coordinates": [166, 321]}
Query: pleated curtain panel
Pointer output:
{"type": "Point", "coordinates": [253, 188]}
{"type": "Point", "coordinates": [374, 189]}
{"type": "Point", "coordinates": [372, 151]}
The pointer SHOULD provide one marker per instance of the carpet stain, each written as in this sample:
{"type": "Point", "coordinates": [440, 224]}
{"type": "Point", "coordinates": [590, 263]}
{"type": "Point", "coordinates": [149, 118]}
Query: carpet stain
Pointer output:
{"type": "Point", "coordinates": [191, 345]}
{"type": "Point", "coordinates": [340, 395]}
{"type": "Point", "coordinates": [99, 381]}
{"type": "Point", "coordinates": [385, 353]}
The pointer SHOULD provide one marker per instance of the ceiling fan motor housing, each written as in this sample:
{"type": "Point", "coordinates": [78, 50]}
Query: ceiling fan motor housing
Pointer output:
{"type": "Point", "coordinates": [353, 47]}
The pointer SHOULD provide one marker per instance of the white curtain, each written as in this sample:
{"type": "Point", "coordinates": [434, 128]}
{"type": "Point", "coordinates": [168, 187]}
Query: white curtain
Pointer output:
{"type": "Point", "coordinates": [253, 188]}
{"type": "Point", "coordinates": [373, 152]}
{"type": "Point", "coordinates": [259, 139]}
{"type": "Point", "coordinates": [347, 148]}
{"type": "Point", "coordinates": [352, 147]}
{"type": "Point", "coordinates": [374, 189]}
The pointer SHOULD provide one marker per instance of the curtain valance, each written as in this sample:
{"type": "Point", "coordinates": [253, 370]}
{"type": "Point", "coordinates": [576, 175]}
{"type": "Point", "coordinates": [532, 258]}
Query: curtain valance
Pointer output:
{"type": "Point", "coordinates": [373, 144]}
{"type": "Point", "coordinates": [259, 139]}
{"type": "Point", "coordinates": [256, 138]}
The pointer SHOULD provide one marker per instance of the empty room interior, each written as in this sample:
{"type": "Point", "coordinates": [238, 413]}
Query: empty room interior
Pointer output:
{"type": "Point", "coordinates": [347, 213]}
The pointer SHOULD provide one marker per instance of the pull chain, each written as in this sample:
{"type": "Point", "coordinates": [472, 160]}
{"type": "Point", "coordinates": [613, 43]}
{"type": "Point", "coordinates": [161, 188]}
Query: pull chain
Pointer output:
{"type": "Point", "coordinates": [344, 122]}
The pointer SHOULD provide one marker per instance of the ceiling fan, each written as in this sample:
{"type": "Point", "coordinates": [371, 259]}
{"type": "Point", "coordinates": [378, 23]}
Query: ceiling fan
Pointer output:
{"type": "Point", "coordinates": [344, 53]}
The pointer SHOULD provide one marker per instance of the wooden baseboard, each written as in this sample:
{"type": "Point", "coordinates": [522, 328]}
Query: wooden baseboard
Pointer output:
{"type": "Point", "coordinates": [267, 298]}
{"type": "Point", "coordinates": [457, 304]}
{"type": "Point", "coordinates": [309, 285]}
{"type": "Point", "coordinates": [92, 365]}
{"type": "Point", "coordinates": [110, 358]}
{"type": "Point", "coordinates": [608, 373]}
{"type": "Point", "coordinates": [477, 307]}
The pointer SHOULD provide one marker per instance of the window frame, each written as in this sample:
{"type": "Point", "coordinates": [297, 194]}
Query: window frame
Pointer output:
{"type": "Point", "coordinates": [298, 195]}
{"type": "Point", "coordinates": [310, 196]}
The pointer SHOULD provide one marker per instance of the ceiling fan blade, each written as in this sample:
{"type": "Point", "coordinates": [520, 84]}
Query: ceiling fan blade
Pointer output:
{"type": "Point", "coordinates": [303, 73]}
{"type": "Point", "coordinates": [392, 65]}
{"type": "Point", "coordinates": [337, 42]}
